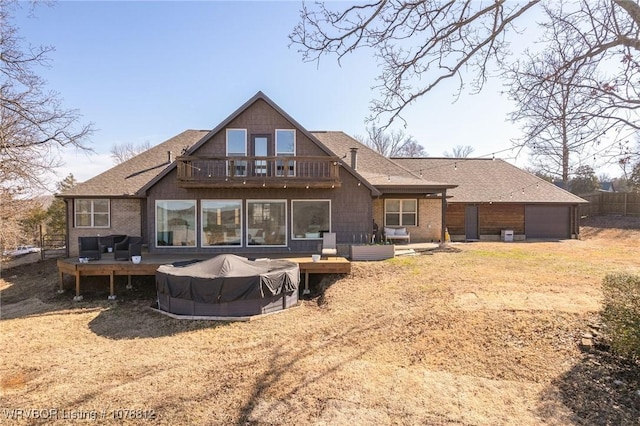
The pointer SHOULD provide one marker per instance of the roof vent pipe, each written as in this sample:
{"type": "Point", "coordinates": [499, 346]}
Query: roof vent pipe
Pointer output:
{"type": "Point", "coordinates": [169, 159]}
{"type": "Point", "coordinates": [354, 158]}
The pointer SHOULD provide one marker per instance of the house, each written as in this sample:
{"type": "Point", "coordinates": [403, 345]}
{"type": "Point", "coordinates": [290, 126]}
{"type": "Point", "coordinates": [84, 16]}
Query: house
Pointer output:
{"type": "Point", "coordinates": [260, 183]}
{"type": "Point", "coordinates": [607, 187]}
{"type": "Point", "coordinates": [493, 196]}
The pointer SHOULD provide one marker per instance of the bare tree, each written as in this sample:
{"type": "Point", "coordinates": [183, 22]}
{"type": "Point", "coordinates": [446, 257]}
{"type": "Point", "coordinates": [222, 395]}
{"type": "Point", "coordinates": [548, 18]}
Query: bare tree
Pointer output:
{"type": "Point", "coordinates": [123, 152]}
{"type": "Point", "coordinates": [558, 112]}
{"type": "Point", "coordinates": [391, 143]}
{"type": "Point", "coordinates": [460, 151]}
{"type": "Point", "coordinates": [412, 149]}
{"type": "Point", "coordinates": [423, 44]}
{"type": "Point", "coordinates": [34, 126]}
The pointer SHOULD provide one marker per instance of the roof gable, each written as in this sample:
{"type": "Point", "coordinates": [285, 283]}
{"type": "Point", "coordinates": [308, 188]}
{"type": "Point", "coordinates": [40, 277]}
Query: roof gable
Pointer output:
{"type": "Point", "coordinates": [235, 115]}
{"type": "Point", "coordinates": [257, 97]}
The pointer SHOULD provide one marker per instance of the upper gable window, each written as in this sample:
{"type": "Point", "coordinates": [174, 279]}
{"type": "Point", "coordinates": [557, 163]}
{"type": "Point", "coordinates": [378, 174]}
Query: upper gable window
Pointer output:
{"type": "Point", "coordinates": [236, 142]}
{"type": "Point", "coordinates": [92, 213]}
{"type": "Point", "coordinates": [285, 142]}
{"type": "Point", "coordinates": [237, 147]}
{"type": "Point", "coordinates": [285, 147]}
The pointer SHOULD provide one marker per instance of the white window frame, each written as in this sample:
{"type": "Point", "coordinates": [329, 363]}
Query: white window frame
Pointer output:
{"type": "Point", "coordinates": [292, 165]}
{"type": "Point", "coordinates": [401, 212]}
{"type": "Point", "coordinates": [240, 236]}
{"type": "Point", "coordinates": [195, 228]}
{"type": "Point", "coordinates": [92, 213]}
{"type": "Point", "coordinates": [286, 228]}
{"type": "Point", "coordinates": [237, 163]}
{"type": "Point", "coordinates": [293, 218]}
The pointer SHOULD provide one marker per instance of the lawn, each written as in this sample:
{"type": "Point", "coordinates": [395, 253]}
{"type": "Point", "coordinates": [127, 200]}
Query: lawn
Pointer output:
{"type": "Point", "coordinates": [478, 334]}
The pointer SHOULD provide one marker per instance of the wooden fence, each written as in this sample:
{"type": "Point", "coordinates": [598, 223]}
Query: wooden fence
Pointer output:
{"type": "Point", "coordinates": [611, 203]}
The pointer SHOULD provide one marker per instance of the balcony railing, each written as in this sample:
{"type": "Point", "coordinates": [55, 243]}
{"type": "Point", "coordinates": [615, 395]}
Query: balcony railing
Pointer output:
{"type": "Point", "coordinates": [254, 172]}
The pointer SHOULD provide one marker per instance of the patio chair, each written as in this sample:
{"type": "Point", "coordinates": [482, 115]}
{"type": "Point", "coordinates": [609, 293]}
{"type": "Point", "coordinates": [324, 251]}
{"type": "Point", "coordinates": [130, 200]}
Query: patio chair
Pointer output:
{"type": "Point", "coordinates": [107, 241]}
{"type": "Point", "coordinates": [89, 247]}
{"type": "Point", "coordinates": [130, 246]}
{"type": "Point", "coordinates": [329, 247]}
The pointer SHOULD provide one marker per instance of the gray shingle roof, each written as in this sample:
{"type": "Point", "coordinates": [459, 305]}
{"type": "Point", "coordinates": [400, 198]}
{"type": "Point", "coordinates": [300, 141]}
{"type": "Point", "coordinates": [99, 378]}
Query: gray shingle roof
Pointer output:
{"type": "Point", "coordinates": [127, 178]}
{"type": "Point", "coordinates": [374, 167]}
{"type": "Point", "coordinates": [485, 180]}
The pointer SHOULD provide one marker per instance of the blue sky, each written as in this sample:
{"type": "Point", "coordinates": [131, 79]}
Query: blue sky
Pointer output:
{"type": "Point", "coordinates": [145, 71]}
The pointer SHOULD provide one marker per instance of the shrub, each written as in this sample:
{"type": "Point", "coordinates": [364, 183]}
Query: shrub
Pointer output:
{"type": "Point", "coordinates": [621, 313]}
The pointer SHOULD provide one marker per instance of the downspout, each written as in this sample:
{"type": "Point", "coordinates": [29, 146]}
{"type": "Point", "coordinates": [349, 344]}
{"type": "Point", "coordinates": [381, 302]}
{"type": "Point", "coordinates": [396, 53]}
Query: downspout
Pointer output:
{"type": "Point", "coordinates": [444, 217]}
{"type": "Point", "coordinates": [67, 230]}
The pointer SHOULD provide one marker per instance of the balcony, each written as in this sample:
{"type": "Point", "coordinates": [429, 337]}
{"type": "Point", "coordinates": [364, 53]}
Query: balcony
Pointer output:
{"type": "Point", "coordinates": [258, 172]}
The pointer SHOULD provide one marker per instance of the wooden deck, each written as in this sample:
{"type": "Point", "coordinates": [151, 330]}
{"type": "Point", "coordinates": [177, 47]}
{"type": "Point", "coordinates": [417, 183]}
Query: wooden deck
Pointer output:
{"type": "Point", "coordinates": [107, 266]}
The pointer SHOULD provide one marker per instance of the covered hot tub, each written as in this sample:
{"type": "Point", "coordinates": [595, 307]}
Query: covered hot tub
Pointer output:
{"type": "Point", "coordinates": [227, 286]}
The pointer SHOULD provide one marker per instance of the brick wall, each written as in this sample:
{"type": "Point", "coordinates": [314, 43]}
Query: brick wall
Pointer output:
{"type": "Point", "coordinates": [429, 219]}
{"type": "Point", "coordinates": [125, 220]}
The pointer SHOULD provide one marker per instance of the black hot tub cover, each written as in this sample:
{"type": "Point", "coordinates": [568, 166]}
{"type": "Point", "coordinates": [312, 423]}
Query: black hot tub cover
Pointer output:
{"type": "Point", "coordinates": [227, 278]}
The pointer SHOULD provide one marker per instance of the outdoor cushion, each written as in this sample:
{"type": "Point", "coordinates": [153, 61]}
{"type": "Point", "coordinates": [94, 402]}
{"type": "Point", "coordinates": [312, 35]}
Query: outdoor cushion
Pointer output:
{"type": "Point", "coordinates": [389, 232]}
{"type": "Point", "coordinates": [400, 231]}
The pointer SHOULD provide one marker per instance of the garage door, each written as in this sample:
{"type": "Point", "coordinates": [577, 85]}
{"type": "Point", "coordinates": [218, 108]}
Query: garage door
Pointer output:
{"type": "Point", "coordinates": [547, 222]}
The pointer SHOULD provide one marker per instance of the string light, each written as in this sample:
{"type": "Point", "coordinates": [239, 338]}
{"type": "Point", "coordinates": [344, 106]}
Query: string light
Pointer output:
{"type": "Point", "coordinates": [455, 161]}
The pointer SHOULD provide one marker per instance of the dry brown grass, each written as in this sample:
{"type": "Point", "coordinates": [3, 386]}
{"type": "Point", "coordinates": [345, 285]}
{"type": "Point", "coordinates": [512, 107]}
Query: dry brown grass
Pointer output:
{"type": "Point", "coordinates": [484, 334]}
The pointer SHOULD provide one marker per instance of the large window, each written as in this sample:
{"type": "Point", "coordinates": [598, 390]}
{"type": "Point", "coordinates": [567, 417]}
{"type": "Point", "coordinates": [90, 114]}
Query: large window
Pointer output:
{"type": "Point", "coordinates": [309, 218]}
{"type": "Point", "coordinates": [267, 223]}
{"type": "Point", "coordinates": [176, 223]}
{"type": "Point", "coordinates": [92, 213]}
{"type": "Point", "coordinates": [221, 222]}
{"type": "Point", "coordinates": [285, 147]}
{"type": "Point", "coordinates": [237, 147]}
{"type": "Point", "coordinates": [401, 212]}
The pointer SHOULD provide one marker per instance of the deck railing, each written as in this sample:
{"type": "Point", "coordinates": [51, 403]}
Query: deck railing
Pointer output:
{"type": "Point", "coordinates": [280, 171]}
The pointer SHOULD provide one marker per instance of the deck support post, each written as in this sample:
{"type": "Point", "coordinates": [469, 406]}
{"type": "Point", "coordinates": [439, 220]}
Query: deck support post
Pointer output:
{"type": "Point", "coordinates": [61, 275]}
{"type": "Point", "coordinates": [112, 292]}
{"type": "Point", "coordinates": [77, 285]}
{"type": "Point", "coordinates": [306, 284]}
